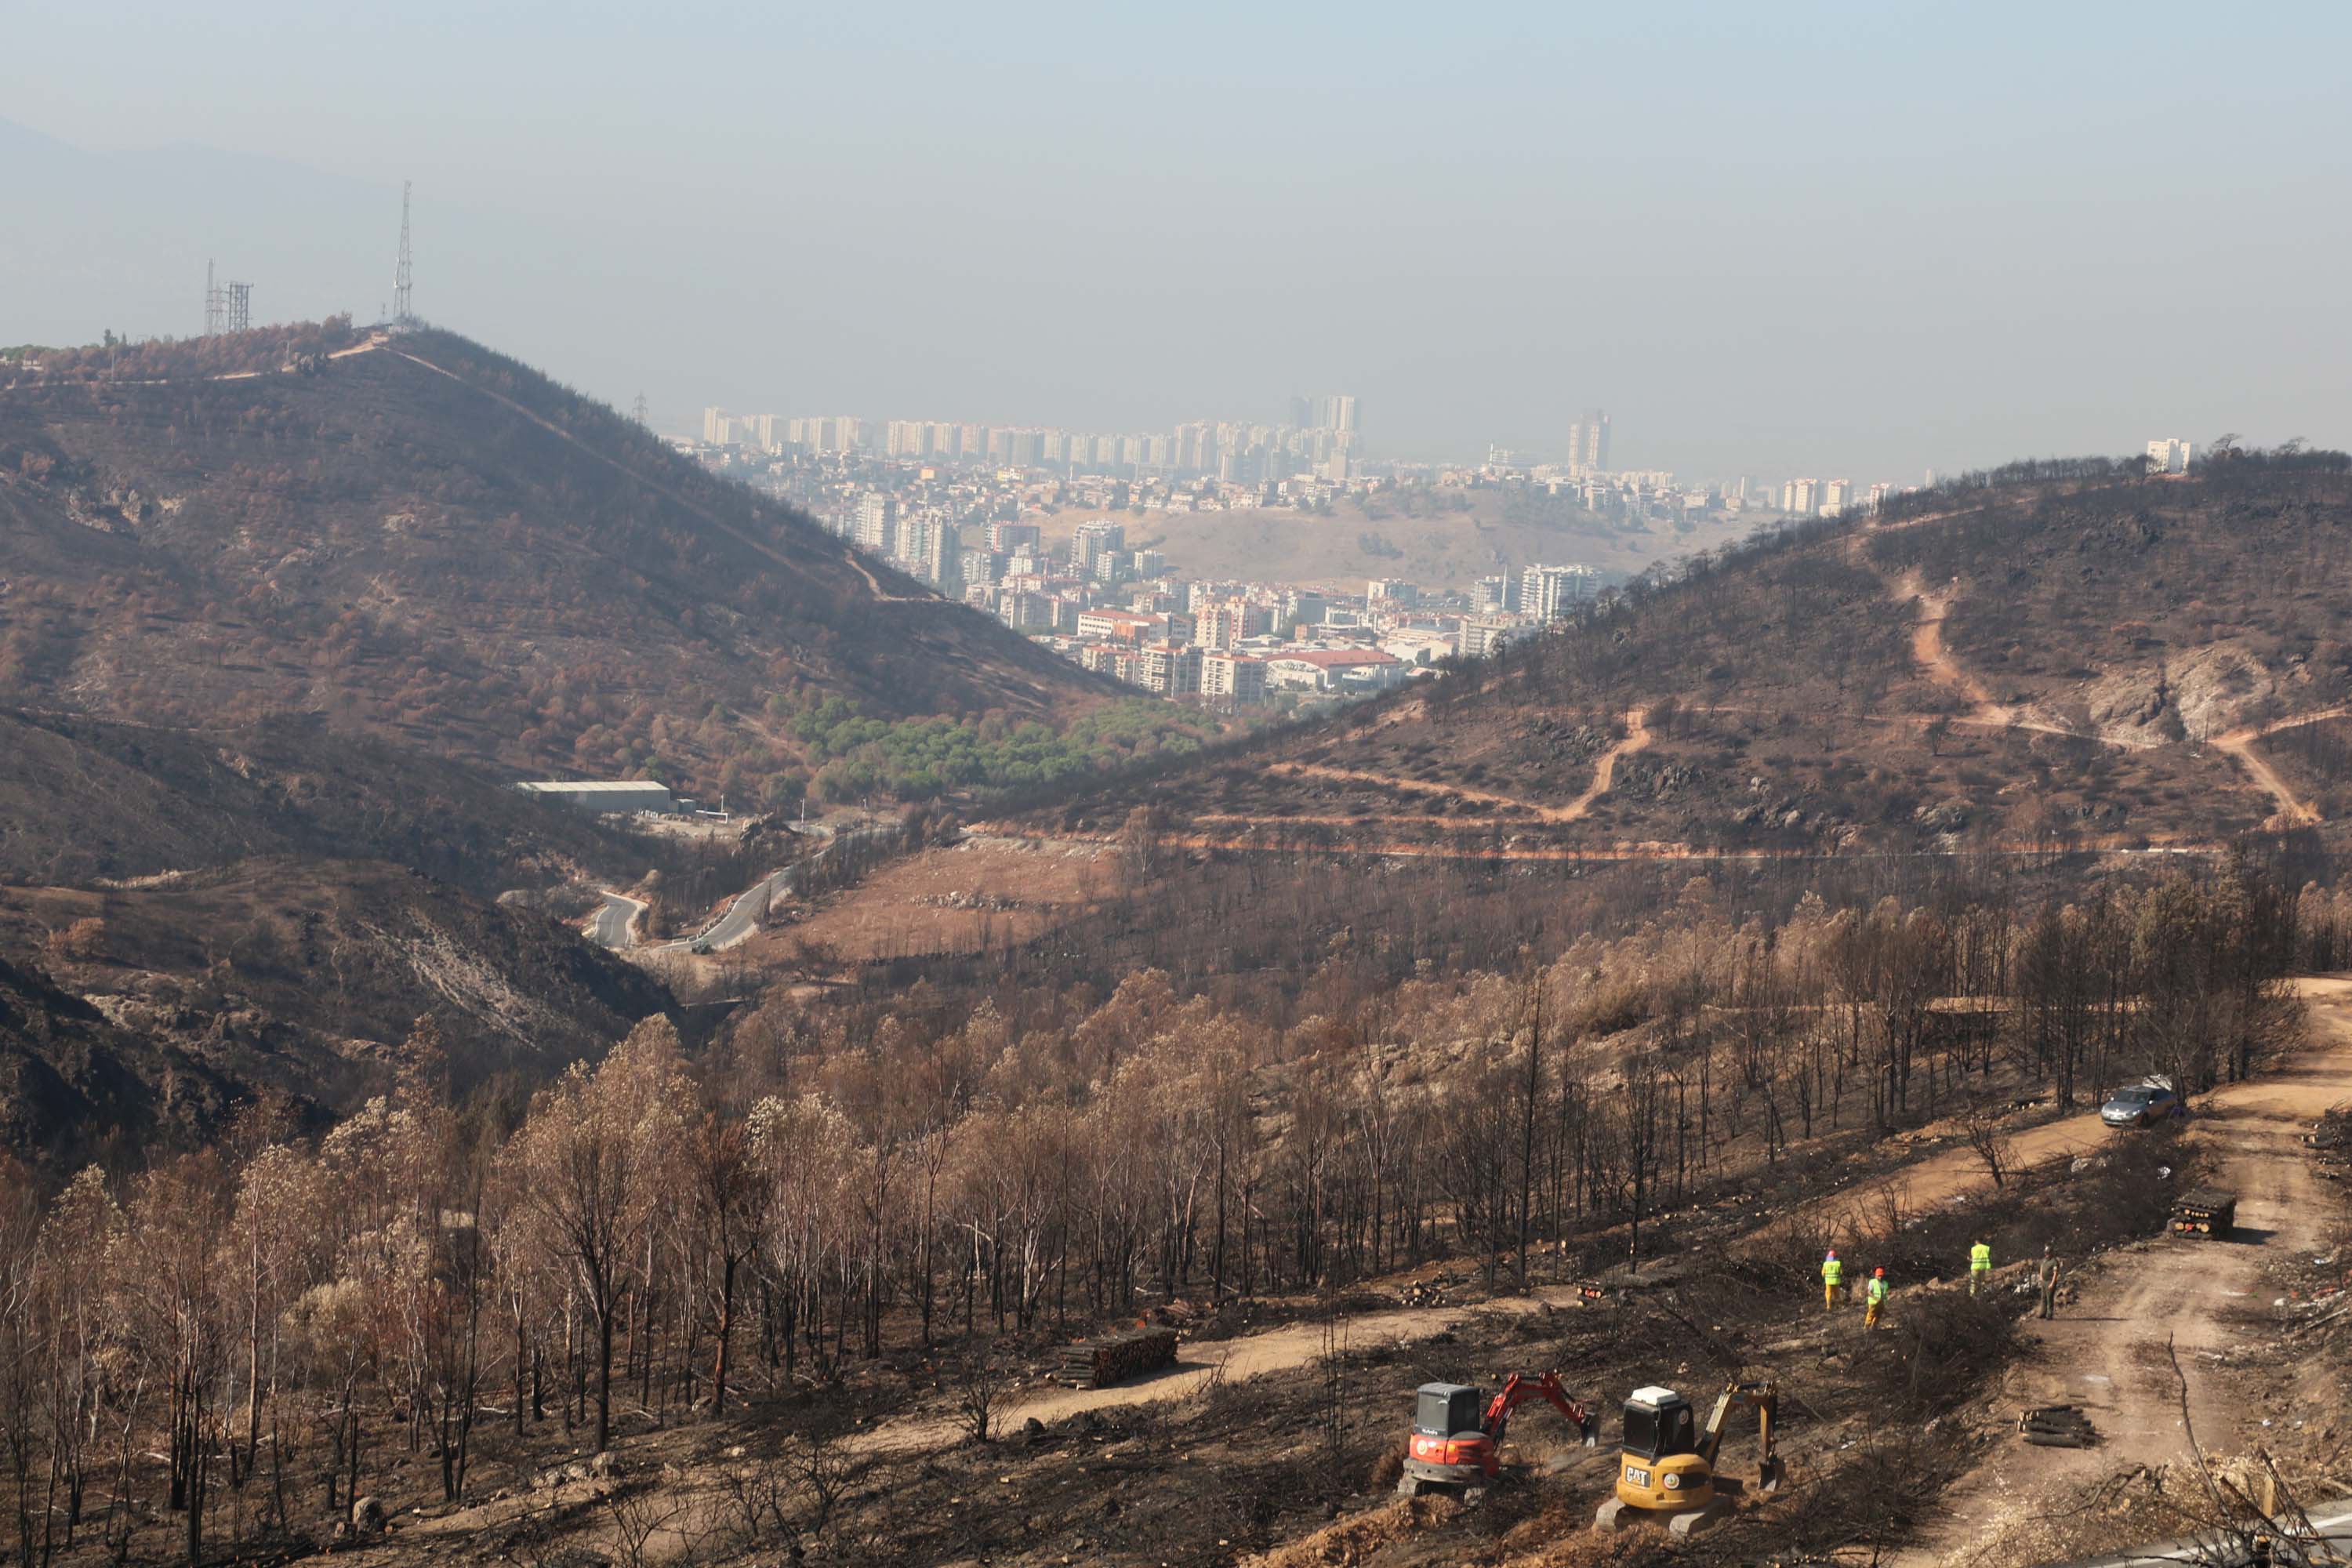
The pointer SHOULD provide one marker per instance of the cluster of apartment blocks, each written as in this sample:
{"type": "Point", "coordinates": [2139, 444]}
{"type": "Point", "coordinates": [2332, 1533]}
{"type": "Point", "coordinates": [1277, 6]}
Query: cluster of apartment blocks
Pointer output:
{"type": "Point", "coordinates": [1320, 440]}
{"type": "Point", "coordinates": [1240, 645]}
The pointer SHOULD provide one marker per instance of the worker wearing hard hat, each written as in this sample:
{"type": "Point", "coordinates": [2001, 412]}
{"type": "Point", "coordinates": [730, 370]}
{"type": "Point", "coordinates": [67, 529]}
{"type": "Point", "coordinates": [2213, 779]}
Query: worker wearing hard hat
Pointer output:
{"type": "Point", "coordinates": [1832, 1280]}
{"type": "Point", "coordinates": [1875, 1299]}
{"type": "Point", "coordinates": [1980, 1267]}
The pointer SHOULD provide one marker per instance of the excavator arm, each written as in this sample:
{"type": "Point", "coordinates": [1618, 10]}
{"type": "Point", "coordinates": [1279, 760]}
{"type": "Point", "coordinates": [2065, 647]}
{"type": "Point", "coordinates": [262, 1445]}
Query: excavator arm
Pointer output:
{"type": "Point", "coordinates": [1764, 1398]}
{"type": "Point", "coordinates": [1517, 1389]}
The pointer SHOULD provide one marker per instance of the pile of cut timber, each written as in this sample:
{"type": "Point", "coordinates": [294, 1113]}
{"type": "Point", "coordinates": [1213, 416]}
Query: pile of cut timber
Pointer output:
{"type": "Point", "coordinates": [2057, 1426]}
{"type": "Point", "coordinates": [1109, 1358]}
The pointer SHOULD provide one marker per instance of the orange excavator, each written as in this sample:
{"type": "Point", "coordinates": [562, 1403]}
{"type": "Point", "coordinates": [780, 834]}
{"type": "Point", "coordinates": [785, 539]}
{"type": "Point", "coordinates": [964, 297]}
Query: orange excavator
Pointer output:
{"type": "Point", "coordinates": [1457, 1447]}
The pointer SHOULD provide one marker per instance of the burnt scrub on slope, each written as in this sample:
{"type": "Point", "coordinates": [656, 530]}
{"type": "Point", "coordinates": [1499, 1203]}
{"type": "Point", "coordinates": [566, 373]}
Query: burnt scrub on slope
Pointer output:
{"type": "Point", "coordinates": [437, 544]}
{"type": "Point", "coordinates": [72, 1084]}
{"type": "Point", "coordinates": [298, 979]}
{"type": "Point", "coordinates": [85, 799]}
{"type": "Point", "coordinates": [2077, 659]}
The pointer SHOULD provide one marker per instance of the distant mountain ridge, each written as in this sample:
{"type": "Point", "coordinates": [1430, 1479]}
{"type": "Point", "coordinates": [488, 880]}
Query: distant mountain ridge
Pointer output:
{"type": "Point", "coordinates": [420, 538]}
{"type": "Point", "coordinates": [283, 616]}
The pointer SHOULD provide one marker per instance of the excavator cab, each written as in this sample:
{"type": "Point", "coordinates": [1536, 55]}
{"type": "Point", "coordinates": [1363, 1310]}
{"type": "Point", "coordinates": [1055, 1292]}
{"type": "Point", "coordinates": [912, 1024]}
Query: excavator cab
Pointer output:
{"type": "Point", "coordinates": [1661, 1467]}
{"type": "Point", "coordinates": [1443, 1409]}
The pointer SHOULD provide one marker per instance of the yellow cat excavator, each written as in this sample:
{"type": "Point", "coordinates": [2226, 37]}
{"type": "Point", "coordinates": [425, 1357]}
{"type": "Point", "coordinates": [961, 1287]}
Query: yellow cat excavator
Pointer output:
{"type": "Point", "coordinates": [1666, 1471]}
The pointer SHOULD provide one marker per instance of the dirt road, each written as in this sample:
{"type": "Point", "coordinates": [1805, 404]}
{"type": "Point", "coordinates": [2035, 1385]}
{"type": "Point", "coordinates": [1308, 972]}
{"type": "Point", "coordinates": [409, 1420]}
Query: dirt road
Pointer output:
{"type": "Point", "coordinates": [1935, 661]}
{"type": "Point", "coordinates": [2106, 1353]}
{"type": "Point", "coordinates": [1198, 1365]}
{"type": "Point", "coordinates": [2293, 811]}
{"type": "Point", "coordinates": [1604, 772]}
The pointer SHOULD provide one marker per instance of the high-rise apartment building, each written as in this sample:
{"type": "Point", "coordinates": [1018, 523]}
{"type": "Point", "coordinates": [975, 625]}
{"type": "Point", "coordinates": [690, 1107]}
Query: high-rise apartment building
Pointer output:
{"type": "Point", "coordinates": [1837, 495]}
{"type": "Point", "coordinates": [1010, 538]}
{"type": "Point", "coordinates": [910, 540]}
{"type": "Point", "coordinates": [714, 427]}
{"type": "Point", "coordinates": [1482, 634]}
{"type": "Point", "coordinates": [1171, 669]}
{"type": "Point", "coordinates": [943, 558]}
{"type": "Point", "coordinates": [1801, 498]}
{"type": "Point", "coordinates": [875, 512]}
{"type": "Point", "coordinates": [1237, 680]}
{"type": "Point", "coordinates": [1023, 448]}
{"type": "Point", "coordinates": [1547, 593]}
{"type": "Point", "coordinates": [1093, 541]}
{"type": "Point", "coordinates": [1588, 443]}
{"type": "Point", "coordinates": [2170, 456]}
{"type": "Point", "coordinates": [1220, 624]}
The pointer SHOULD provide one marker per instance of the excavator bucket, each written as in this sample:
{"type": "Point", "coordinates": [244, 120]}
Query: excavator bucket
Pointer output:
{"type": "Point", "coordinates": [1768, 1477]}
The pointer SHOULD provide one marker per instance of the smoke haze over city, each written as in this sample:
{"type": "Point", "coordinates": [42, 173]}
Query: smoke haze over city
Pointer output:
{"type": "Point", "coordinates": [1834, 237]}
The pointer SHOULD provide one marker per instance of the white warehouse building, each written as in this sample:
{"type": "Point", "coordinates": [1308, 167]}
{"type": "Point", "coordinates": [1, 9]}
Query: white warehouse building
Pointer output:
{"type": "Point", "coordinates": [623, 795]}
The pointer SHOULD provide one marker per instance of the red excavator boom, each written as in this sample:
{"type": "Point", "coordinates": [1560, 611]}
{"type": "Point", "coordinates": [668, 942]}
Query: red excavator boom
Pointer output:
{"type": "Point", "coordinates": [1519, 1389]}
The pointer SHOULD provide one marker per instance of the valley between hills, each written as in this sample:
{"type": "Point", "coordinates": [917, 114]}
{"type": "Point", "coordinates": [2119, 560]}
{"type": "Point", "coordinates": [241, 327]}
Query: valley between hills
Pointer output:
{"type": "Point", "coordinates": [399, 1165]}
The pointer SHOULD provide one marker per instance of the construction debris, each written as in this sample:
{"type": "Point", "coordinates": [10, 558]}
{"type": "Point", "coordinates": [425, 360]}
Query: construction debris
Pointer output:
{"type": "Point", "coordinates": [2057, 1426]}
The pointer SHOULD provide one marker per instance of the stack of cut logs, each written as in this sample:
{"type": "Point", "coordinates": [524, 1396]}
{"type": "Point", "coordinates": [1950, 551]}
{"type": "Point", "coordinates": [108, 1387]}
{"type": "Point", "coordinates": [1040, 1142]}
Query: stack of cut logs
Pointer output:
{"type": "Point", "coordinates": [1106, 1359]}
{"type": "Point", "coordinates": [2057, 1426]}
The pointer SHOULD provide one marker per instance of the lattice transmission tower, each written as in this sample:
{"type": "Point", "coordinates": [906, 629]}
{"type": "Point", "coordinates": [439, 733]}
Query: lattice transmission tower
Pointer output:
{"type": "Point", "coordinates": [641, 413]}
{"type": "Point", "coordinates": [401, 310]}
{"type": "Point", "coordinates": [229, 307]}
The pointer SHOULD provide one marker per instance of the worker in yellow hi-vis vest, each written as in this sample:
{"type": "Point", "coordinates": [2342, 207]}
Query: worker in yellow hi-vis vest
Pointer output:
{"type": "Point", "coordinates": [1875, 1299]}
{"type": "Point", "coordinates": [1980, 1267]}
{"type": "Point", "coordinates": [1832, 1280]}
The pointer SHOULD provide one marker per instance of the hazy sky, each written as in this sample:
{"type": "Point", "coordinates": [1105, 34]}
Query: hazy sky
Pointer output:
{"type": "Point", "coordinates": [1856, 239]}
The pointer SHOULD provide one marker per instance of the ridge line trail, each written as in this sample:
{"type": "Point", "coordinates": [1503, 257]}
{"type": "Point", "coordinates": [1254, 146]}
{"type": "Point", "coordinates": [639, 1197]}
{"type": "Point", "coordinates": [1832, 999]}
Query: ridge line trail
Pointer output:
{"type": "Point", "coordinates": [1604, 771]}
{"type": "Point", "coordinates": [2106, 1353]}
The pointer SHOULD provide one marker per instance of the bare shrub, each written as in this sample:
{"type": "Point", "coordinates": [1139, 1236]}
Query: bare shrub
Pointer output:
{"type": "Point", "coordinates": [1990, 1141]}
{"type": "Point", "coordinates": [980, 1390]}
{"type": "Point", "coordinates": [639, 1515]}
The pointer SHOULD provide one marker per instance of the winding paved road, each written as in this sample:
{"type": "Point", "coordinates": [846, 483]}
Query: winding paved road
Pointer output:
{"type": "Point", "coordinates": [615, 925]}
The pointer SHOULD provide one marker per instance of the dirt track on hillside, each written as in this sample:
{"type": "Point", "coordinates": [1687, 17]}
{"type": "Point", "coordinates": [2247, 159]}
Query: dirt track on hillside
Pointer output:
{"type": "Point", "coordinates": [2106, 1353]}
{"type": "Point", "coordinates": [1198, 1366]}
{"type": "Point", "coordinates": [2293, 811]}
{"type": "Point", "coordinates": [1604, 774]}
